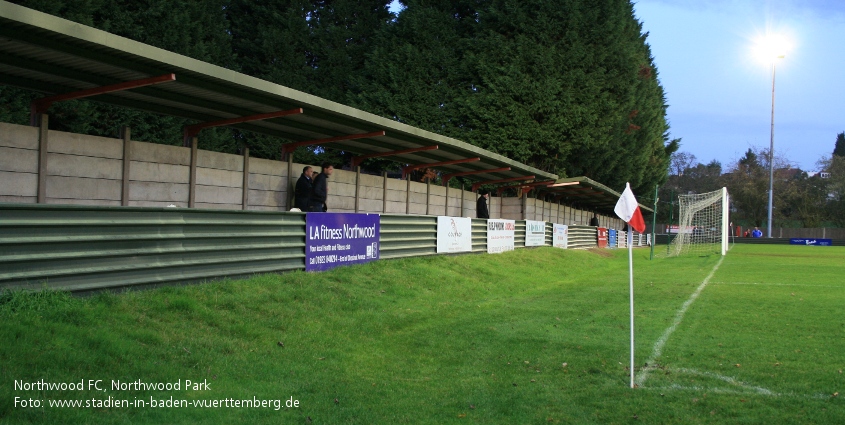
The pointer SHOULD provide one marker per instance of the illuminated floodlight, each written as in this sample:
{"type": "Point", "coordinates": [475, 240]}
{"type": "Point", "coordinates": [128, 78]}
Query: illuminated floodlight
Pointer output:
{"type": "Point", "coordinates": [768, 50]}
{"type": "Point", "coordinates": [769, 47]}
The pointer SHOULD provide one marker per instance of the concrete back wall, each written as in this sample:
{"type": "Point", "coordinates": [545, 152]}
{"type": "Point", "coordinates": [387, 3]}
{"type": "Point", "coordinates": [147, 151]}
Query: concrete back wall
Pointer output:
{"type": "Point", "coordinates": [90, 170]}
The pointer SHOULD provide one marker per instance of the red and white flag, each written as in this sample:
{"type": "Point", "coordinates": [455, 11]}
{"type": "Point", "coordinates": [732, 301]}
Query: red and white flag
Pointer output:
{"type": "Point", "coordinates": [628, 210]}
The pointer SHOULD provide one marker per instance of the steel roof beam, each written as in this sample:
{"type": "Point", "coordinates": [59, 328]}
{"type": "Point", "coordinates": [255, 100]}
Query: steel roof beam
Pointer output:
{"type": "Point", "coordinates": [192, 130]}
{"type": "Point", "coordinates": [290, 147]}
{"type": "Point", "coordinates": [526, 185]}
{"type": "Point", "coordinates": [356, 160]}
{"type": "Point", "coordinates": [39, 106]}
{"type": "Point", "coordinates": [408, 169]}
{"type": "Point", "coordinates": [476, 185]}
{"type": "Point", "coordinates": [448, 177]}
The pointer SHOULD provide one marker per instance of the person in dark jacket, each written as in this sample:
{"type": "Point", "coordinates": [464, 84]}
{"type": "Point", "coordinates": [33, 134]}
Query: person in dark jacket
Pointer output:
{"type": "Point", "coordinates": [595, 220]}
{"type": "Point", "coordinates": [481, 205]}
{"type": "Point", "coordinates": [320, 191]}
{"type": "Point", "coordinates": [303, 190]}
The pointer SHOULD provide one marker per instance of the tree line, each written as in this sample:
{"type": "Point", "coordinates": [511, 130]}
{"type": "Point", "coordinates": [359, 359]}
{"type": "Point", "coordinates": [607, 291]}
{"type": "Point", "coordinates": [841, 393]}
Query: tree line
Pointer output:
{"type": "Point", "coordinates": [800, 199]}
{"type": "Point", "coordinates": [568, 86]}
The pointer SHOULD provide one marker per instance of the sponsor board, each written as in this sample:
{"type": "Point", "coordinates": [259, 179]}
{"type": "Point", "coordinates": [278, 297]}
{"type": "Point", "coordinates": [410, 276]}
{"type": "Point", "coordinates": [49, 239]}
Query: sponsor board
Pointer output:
{"type": "Point", "coordinates": [500, 235]}
{"type": "Point", "coordinates": [333, 239]}
{"type": "Point", "coordinates": [535, 233]}
{"type": "Point", "coordinates": [560, 235]}
{"type": "Point", "coordinates": [602, 237]}
{"type": "Point", "coordinates": [811, 241]}
{"type": "Point", "coordinates": [611, 238]}
{"type": "Point", "coordinates": [454, 234]}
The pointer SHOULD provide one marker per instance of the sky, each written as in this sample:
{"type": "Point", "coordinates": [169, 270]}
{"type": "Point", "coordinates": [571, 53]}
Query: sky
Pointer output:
{"type": "Point", "coordinates": [719, 91]}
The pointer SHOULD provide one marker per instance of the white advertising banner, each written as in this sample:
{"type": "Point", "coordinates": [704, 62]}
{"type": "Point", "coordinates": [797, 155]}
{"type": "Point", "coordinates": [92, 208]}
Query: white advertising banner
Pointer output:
{"type": "Point", "coordinates": [500, 235]}
{"type": "Point", "coordinates": [560, 236]}
{"type": "Point", "coordinates": [535, 233]}
{"type": "Point", "coordinates": [454, 234]}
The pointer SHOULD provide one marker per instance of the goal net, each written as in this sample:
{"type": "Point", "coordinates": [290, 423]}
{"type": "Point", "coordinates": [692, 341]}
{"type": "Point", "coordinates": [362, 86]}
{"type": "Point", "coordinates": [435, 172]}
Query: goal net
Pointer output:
{"type": "Point", "coordinates": [702, 225]}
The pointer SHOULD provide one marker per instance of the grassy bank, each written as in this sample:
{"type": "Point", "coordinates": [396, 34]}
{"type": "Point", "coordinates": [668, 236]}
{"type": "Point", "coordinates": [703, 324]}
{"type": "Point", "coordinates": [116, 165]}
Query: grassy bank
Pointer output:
{"type": "Point", "coordinates": [531, 336]}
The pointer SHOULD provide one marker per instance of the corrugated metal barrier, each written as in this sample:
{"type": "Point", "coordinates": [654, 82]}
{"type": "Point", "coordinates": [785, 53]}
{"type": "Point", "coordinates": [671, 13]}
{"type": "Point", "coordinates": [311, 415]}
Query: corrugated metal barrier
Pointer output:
{"type": "Point", "coordinates": [582, 237]}
{"type": "Point", "coordinates": [82, 248]}
{"type": "Point", "coordinates": [407, 236]}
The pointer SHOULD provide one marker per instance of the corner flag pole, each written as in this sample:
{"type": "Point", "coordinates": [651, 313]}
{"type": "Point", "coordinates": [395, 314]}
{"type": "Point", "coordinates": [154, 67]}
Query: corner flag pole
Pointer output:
{"type": "Point", "coordinates": [631, 290]}
{"type": "Point", "coordinates": [628, 210]}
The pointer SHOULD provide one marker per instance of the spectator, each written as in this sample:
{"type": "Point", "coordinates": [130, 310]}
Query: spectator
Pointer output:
{"type": "Point", "coordinates": [481, 205]}
{"type": "Point", "coordinates": [320, 191]}
{"type": "Point", "coordinates": [303, 189]}
{"type": "Point", "coordinates": [595, 220]}
{"type": "Point", "coordinates": [757, 233]}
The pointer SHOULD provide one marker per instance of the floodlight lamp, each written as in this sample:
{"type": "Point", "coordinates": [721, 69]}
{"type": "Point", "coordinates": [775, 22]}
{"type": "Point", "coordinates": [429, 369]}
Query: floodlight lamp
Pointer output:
{"type": "Point", "coordinates": [771, 47]}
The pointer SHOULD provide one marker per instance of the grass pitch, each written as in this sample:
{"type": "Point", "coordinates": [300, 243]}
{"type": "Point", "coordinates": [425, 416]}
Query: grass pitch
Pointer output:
{"type": "Point", "coordinates": [530, 336]}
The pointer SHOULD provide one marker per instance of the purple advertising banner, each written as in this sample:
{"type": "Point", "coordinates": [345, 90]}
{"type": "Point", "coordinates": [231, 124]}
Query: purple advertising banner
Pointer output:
{"type": "Point", "coordinates": [333, 239]}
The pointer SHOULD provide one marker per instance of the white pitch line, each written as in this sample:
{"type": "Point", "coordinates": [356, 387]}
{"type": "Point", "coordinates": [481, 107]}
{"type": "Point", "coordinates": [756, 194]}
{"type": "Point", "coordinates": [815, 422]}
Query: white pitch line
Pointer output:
{"type": "Point", "coordinates": [728, 379]}
{"type": "Point", "coordinates": [658, 346]}
{"type": "Point", "coordinates": [775, 284]}
{"type": "Point", "coordinates": [716, 390]}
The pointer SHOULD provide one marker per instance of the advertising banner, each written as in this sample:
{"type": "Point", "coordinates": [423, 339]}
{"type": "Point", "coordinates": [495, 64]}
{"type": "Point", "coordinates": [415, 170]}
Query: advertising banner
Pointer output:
{"type": "Point", "coordinates": [611, 242]}
{"type": "Point", "coordinates": [535, 233]}
{"type": "Point", "coordinates": [560, 236]}
{"type": "Point", "coordinates": [811, 241]}
{"type": "Point", "coordinates": [675, 229]}
{"type": "Point", "coordinates": [333, 240]}
{"type": "Point", "coordinates": [454, 234]}
{"type": "Point", "coordinates": [602, 237]}
{"type": "Point", "coordinates": [500, 235]}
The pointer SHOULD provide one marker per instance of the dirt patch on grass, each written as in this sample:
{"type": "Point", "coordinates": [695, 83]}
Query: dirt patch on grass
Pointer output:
{"type": "Point", "coordinates": [602, 252]}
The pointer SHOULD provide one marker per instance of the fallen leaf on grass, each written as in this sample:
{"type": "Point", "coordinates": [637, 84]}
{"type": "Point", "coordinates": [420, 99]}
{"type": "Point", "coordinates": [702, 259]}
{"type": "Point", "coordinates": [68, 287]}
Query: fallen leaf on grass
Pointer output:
{"type": "Point", "coordinates": [565, 364]}
{"type": "Point", "coordinates": [281, 344]}
{"type": "Point", "coordinates": [738, 365]}
{"type": "Point", "coordinates": [836, 394]}
{"type": "Point", "coordinates": [462, 415]}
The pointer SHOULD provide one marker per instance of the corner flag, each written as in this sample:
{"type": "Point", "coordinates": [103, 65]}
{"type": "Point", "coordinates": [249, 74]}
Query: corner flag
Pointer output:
{"type": "Point", "coordinates": [628, 210]}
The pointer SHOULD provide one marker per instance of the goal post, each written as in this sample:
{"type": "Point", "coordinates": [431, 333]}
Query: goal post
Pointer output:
{"type": "Point", "coordinates": [726, 228]}
{"type": "Point", "coordinates": [703, 225]}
